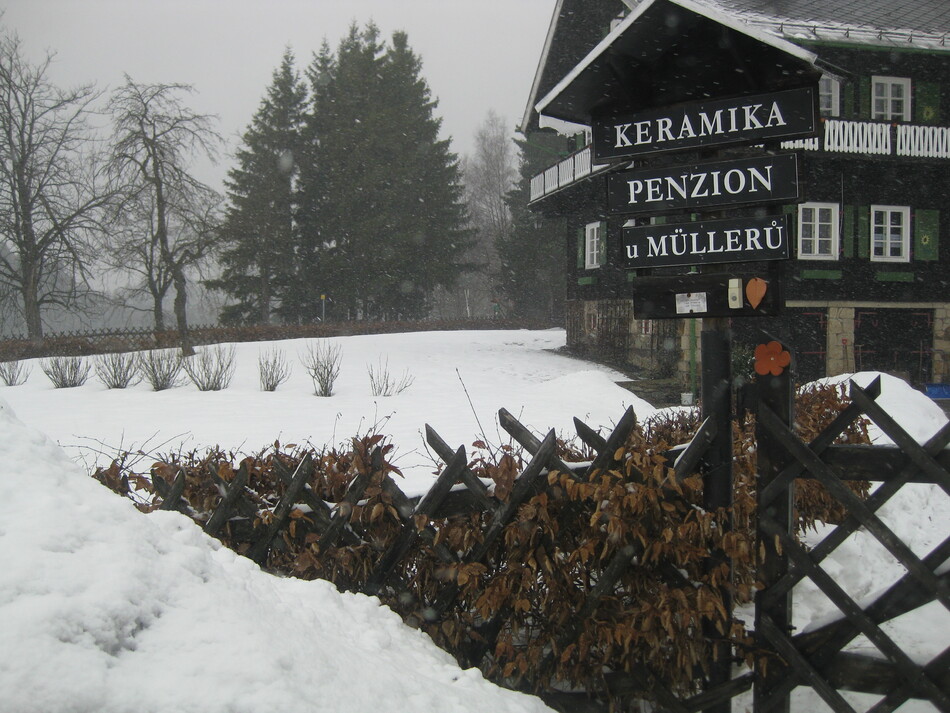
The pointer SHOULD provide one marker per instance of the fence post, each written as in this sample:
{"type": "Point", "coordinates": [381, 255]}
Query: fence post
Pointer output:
{"type": "Point", "coordinates": [773, 378]}
{"type": "Point", "coordinates": [717, 474]}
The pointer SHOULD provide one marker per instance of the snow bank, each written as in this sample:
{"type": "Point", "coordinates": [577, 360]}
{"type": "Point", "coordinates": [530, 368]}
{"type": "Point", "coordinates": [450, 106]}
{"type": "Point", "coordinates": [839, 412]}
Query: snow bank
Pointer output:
{"type": "Point", "coordinates": [104, 609]}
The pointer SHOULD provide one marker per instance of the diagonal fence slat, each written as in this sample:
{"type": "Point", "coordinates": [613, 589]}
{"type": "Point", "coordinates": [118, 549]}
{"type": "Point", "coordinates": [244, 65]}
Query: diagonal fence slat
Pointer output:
{"type": "Point", "coordinates": [874, 502]}
{"type": "Point", "coordinates": [819, 444]}
{"type": "Point", "coordinates": [529, 442]}
{"type": "Point", "coordinates": [171, 495]}
{"type": "Point", "coordinates": [475, 486]}
{"type": "Point", "coordinates": [855, 613]}
{"type": "Point", "coordinates": [410, 530]}
{"type": "Point", "coordinates": [261, 547]}
{"type": "Point", "coordinates": [353, 494]}
{"type": "Point", "coordinates": [907, 444]}
{"type": "Point", "coordinates": [223, 512]}
{"type": "Point", "coordinates": [856, 507]}
{"type": "Point", "coordinates": [501, 516]}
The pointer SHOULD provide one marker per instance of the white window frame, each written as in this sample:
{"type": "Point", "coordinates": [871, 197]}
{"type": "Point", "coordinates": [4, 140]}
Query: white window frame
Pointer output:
{"type": "Point", "coordinates": [592, 240]}
{"type": "Point", "coordinates": [829, 96]}
{"type": "Point", "coordinates": [882, 90]}
{"type": "Point", "coordinates": [810, 226]}
{"type": "Point", "coordinates": [880, 221]}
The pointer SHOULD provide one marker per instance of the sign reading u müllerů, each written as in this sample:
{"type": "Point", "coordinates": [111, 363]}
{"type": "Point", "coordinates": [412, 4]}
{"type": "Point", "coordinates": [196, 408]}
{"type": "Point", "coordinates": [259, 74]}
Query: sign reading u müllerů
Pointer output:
{"type": "Point", "coordinates": [787, 114]}
{"type": "Point", "coordinates": [747, 239]}
{"type": "Point", "coordinates": [762, 179]}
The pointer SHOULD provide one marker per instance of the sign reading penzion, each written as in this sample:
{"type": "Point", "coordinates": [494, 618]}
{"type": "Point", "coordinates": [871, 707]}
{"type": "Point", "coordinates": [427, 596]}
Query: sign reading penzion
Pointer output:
{"type": "Point", "coordinates": [748, 239]}
{"type": "Point", "coordinates": [780, 115]}
{"type": "Point", "coordinates": [744, 181]}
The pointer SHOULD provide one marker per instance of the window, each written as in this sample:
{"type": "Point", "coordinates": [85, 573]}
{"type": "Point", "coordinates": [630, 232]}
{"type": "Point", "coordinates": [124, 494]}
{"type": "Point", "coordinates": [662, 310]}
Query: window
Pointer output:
{"type": "Point", "coordinates": [818, 231]}
{"type": "Point", "coordinates": [592, 245]}
{"type": "Point", "coordinates": [890, 233]}
{"type": "Point", "coordinates": [829, 96]}
{"type": "Point", "coordinates": [890, 98]}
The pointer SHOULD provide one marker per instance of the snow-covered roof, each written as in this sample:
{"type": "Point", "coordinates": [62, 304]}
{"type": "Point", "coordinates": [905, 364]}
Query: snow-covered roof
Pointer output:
{"type": "Point", "coordinates": [919, 24]}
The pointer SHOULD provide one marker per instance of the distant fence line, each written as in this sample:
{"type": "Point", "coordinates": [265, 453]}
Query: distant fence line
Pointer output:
{"type": "Point", "coordinates": [86, 342]}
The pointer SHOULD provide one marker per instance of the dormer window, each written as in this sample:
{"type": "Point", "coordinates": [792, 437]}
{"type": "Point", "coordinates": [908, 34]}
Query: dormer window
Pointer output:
{"type": "Point", "coordinates": [829, 96]}
{"type": "Point", "coordinates": [890, 98]}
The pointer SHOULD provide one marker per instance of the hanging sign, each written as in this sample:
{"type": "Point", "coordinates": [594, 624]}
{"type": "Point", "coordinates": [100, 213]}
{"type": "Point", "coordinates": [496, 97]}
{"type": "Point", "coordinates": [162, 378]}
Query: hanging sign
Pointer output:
{"type": "Point", "coordinates": [746, 239]}
{"type": "Point", "coordinates": [792, 113]}
{"type": "Point", "coordinates": [745, 181]}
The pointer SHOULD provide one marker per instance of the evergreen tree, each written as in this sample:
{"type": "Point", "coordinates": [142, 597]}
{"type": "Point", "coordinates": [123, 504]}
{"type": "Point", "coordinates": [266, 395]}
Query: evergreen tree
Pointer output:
{"type": "Point", "coordinates": [381, 219]}
{"type": "Point", "coordinates": [532, 254]}
{"type": "Point", "coordinates": [258, 231]}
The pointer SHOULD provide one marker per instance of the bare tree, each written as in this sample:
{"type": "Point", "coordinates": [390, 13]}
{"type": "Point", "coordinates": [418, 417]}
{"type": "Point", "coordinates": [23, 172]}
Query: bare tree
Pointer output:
{"type": "Point", "coordinates": [488, 174]}
{"type": "Point", "coordinates": [52, 192]}
{"type": "Point", "coordinates": [155, 139]}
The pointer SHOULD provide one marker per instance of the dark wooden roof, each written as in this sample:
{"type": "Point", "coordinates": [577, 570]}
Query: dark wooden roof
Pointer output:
{"type": "Point", "coordinates": [671, 51]}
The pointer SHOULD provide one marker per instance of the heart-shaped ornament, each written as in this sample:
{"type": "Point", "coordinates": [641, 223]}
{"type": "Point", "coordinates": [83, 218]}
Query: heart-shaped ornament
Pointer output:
{"type": "Point", "coordinates": [755, 290]}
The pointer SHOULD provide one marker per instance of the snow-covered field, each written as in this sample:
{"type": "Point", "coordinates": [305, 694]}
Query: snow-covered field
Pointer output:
{"type": "Point", "coordinates": [460, 380]}
{"type": "Point", "coordinates": [104, 609]}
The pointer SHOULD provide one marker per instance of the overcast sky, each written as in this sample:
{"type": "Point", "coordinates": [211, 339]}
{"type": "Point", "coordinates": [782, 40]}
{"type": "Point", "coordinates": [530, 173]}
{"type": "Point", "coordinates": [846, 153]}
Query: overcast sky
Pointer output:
{"type": "Point", "coordinates": [477, 55]}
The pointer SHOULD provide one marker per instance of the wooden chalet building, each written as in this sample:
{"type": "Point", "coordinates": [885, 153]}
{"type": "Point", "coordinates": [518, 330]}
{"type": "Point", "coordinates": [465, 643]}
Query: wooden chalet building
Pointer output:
{"type": "Point", "coordinates": [866, 285]}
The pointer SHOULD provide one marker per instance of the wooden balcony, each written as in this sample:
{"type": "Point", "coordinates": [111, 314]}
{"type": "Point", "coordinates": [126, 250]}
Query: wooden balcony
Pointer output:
{"type": "Point", "coordinates": [571, 169]}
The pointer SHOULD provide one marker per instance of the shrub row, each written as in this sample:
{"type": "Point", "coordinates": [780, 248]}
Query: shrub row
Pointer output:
{"type": "Point", "coordinates": [210, 369]}
{"type": "Point", "coordinates": [533, 581]}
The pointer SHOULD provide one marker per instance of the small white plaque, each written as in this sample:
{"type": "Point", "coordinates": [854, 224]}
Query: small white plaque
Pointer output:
{"type": "Point", "coordinates": [689, 302]}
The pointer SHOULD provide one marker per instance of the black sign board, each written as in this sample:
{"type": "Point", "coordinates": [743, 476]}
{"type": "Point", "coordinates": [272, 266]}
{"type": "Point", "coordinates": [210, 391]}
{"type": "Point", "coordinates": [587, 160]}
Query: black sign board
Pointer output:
{"type": "Point", "coordinates": [792, 113]}
{"type": "Point", "coordinates": [762, 179]}
{"type": "Point", "coordinates": [747, 239]}
{"type": "Point", "coordinates": [736, 294]}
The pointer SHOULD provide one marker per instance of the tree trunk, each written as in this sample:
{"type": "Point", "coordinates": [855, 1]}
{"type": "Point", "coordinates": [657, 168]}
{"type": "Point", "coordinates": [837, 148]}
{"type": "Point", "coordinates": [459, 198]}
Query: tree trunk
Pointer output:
{"type": "Point", "coordinates": [181, 317]}
{"type": "Point", "coordinates": [31, 303]}
{"type": "Point", "coordinates": [264, 315]}
{"type": "Point", "coordinates": [31, 315]}
{"type": "Point", "coordinates": [158, 314]}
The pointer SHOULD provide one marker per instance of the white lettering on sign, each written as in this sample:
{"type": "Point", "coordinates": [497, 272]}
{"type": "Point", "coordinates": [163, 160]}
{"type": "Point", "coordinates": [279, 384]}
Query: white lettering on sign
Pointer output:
{"type": "Point", "coordinates": [735, 240]}
{"type": "Point", "coordinates": [746, 117]}
{"type": "Point", "coordinates": [735, 181]}
{"type": "Point", "coordinates": [715, 241]}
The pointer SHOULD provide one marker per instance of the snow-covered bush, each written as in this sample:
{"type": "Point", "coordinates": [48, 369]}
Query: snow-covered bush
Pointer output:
{"type": "Point", "coordinates": [117, 370]}
{"type": "Point", "coordinates": [322, 361]}
{"type": "Point", "coordinates": [274, 369]}
{"type": "Point", "coordinates": [211, 368]}
{"type": "Point", "coordinates": [161, 368]}
{"type": "Point", "coordinates": [14, 372]}
{"type": "Point", "coordinates": [66, 372]}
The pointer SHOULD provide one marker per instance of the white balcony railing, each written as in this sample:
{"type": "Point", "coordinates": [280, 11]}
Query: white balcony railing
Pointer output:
{"type": "Point", "coordinates": [564, 173]}
{"type": "Point", "coordinates": [923, 141]}
{"type": "Point", "coordinates": [879, 138]}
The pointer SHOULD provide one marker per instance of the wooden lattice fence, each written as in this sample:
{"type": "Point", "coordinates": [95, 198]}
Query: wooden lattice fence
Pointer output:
{"type": "Point", "coordinates": [567, 562]}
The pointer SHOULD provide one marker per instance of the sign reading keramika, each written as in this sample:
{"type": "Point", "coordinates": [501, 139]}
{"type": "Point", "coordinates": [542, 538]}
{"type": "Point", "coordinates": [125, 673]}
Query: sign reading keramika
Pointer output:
{"type": "Point", "coordinates": [788, 114]}
{"type": "Point", "coordinates": [747, 239]}
{"type": "Point", "coordinates": [744, 181]}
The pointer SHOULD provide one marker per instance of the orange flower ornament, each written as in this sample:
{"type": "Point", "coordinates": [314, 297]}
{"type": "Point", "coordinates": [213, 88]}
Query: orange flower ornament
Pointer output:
{"type": "Point", "coordinates": [771, 359]}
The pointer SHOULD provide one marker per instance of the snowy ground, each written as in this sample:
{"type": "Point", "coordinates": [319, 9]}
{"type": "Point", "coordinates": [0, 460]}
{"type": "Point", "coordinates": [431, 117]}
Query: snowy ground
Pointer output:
{"type": "Point", "coordinates": [103, 609]}
{"type": "Point", "coordinates": [510, 369]}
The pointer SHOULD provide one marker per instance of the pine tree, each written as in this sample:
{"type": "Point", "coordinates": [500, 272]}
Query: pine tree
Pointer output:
{"type": "Point", "coordinates": [381, 199]}
{"type": "Point", "coordinates": [258, 231]}
{"type": "Point", "coordinates": [533, 253]}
